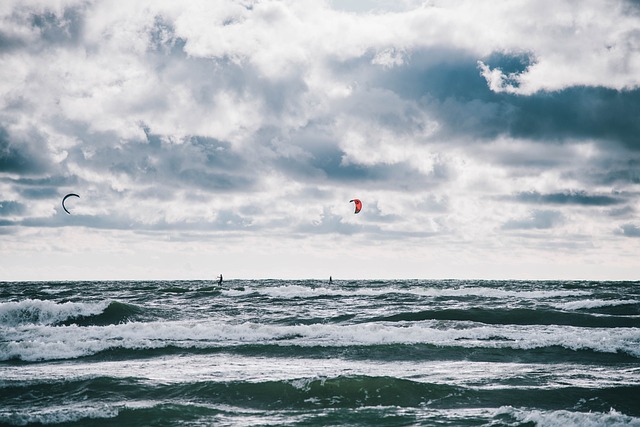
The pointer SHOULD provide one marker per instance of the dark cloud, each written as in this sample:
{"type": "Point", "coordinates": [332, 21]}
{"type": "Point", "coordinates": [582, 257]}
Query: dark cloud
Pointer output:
{"type": "Point", "coordinates": [39, 192]}
{"type": "Point", "coordinates": [436, 73]}
{"type": "Point", "coordinates": [45, 188]}
{"type": "Point", "coordinates": [612, 171]}
{"type": "Point", "coordinates": [539, 219]}
{"type": "Point", "coordinates": [629, 230]}
{"type": "Point", "coordinates": [626, 211]}
{"type": "Point", "coordinates": [18, 156]}
{"type": "Point", "coordinates": [510, 63]}
{"type": "Point", "coordinates": [55, 29]}
{"type": "Point", "coordinates": [54, 181]}
{"type": "Point", "coordinates": [198, 163]}
{"type": "Point", "coordinates": [11, 208]}
{"type": "Point", "coordinates": [48, 187]}
{"type": "Point", "coordinates": [581, 113]}
{"type": "Point", "coordinates": [313, 155]}
{"type": "Point", "coordinates": [448, 84]}
{"type": "Point", "coordinates": [9, 42]}
{"type": "Point", "coordinates": [328, 163]}
{"type": "Point", "coordinates": [529, 160]}
{"type": "Point", "coordinates": [568, 198]}
{"type": "Point", "coordinates": [634, 4]}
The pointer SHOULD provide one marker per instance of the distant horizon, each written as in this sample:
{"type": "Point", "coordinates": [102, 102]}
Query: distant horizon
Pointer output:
{"type": "Point", "coordinates": [337, 279]}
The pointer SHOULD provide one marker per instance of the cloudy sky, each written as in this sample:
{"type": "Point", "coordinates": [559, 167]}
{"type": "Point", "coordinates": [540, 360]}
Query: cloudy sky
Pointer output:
{"type": "Point", "coordinates": [493, 139]}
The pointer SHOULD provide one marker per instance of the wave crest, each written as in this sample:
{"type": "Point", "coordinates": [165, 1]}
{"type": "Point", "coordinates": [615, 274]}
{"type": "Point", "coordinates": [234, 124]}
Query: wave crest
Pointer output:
{"type": "Point", "coordinates": [61, 342]}
{"type": "Point", "coordinates": [42, 312]}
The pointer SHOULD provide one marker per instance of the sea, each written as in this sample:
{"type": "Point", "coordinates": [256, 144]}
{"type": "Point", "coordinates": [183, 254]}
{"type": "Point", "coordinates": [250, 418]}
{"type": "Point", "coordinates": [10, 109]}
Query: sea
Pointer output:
{"type": "Point", "coordinates": [320, 353]}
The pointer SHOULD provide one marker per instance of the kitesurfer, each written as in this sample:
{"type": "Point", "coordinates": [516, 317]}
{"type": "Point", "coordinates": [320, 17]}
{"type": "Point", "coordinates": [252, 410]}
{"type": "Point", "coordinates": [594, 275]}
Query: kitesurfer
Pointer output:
{"type": "Point", "coordinates": [330, 279]}
{"type": "Point", "coordinates": [220, 279]}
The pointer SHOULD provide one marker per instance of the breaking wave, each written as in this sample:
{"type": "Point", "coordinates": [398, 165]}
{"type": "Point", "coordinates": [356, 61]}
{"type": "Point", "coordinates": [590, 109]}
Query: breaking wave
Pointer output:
{"type": "Point", "coordinates": [42, 312]}
{"type": "Point", "coordinates": [45, 342]}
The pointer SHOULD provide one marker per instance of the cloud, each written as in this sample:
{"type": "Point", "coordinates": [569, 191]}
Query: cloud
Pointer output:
{"type": "Point", "coordinates": [19, 156]}
{"type": "Point", "coordinates": [629, 230]}
{"type": "Point", "coordinates": [10, 208]}
{"type": "Point", "coordinates": [449, 86]}
{"type": "Point", "coordinates": [539, 220]}
{"type": "Point", "coordinates": [263, 118]}
{"type": "Point", "coordinates": [329, 222]}
{"type": "Point", "coordinates": [585, 53]}
{"type": "Point", "coordinates": [570, 197]}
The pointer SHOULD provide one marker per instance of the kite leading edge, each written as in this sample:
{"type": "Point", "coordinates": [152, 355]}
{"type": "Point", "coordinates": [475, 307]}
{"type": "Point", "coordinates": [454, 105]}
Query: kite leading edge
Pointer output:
{"type": "Point", "coordinates": [65, 198]}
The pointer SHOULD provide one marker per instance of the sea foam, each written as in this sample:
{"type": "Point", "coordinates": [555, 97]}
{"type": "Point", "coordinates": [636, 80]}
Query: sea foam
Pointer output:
{"type": "Point", "coordinates": [44, 342]}
{"type": "Point", "coordinates": [592, 303]}
{"type": "Point", "coordinates": [569, 418]}
{"type": "Point", "coordinates": [59, 414]}
{"type": "Point", "coordinates": [299, 291]}
{"type": "Point", "coordinates": [42, 312]}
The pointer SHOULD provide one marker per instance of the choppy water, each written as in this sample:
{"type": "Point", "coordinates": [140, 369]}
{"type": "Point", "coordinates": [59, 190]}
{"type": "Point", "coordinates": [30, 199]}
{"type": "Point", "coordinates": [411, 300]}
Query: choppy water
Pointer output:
{"type": "Point", "coordinates": [272, 352]}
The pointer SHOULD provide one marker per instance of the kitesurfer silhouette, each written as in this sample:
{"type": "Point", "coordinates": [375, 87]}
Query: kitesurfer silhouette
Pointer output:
{"type": "Point", "coordinates": [330, 279]}
{"type": "Point", "coordinates": [220, 279]}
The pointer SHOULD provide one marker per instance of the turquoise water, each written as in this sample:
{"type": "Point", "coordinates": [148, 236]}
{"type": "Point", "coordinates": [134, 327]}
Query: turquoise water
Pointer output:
{"type": "Point", "coordinates": [273, 352]}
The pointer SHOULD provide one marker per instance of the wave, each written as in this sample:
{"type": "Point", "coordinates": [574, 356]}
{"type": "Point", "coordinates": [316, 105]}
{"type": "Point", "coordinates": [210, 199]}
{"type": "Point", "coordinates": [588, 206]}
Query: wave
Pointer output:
{"type": "Point", "coordinates": [44, 342]}
{"type": "Point", "coordinates": [43, 312]}
{"type": "Point", "coordinates": [32, 311]}
{"type": "Point", "coordinates": [180, 413]}
{"type": "Point", "coordinates": [607, 307]}
{"type": "Point", "coordinates": [516, 316]}
{"type": "Point", "coordinates": [175, 290]}
{"type": "Point", "coordinates": [594, 303]}
{"type": "Point", "coordinates": [566, 418]}
{"type": "Point", "coordinates": [69, 413]}
{"type": "Point", "coordinates": [102, 397]}
{"type": "Point", "coordinates": [302, 291]}
{"type": "Point", "coordinates": [115, 313]}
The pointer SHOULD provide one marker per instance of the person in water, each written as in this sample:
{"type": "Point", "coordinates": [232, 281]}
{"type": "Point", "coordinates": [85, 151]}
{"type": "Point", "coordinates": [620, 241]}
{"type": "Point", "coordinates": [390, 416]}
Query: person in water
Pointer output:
{"type": "Point", "coordinates": [220, 279]}
{"type": "Point", "coordinates": [330, 279]}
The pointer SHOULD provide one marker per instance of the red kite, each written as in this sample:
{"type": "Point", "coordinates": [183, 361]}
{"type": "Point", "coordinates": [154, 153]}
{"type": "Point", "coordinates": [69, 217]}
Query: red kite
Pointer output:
{"type": "Point", "coordinates": [358, 205]}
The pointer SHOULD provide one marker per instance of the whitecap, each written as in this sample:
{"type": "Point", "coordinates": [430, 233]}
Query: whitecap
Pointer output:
{"type": "Point", "coordinates": [43, 312]}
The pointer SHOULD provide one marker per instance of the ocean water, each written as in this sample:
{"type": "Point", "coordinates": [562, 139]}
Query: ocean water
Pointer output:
{"type": "Point", "coordinates": [306, 353]}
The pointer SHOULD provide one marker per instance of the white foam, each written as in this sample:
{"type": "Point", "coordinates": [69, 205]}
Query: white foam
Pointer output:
{"type": "Point", "coordinates": [592, 303]}
{"type": "Point", "coordinates": [569, 418]}
{"type": "Point", "coordinates": [67, 413]}
{"type": "Point", "coordinates": [298, 291]}
{"type": "Point", "coordinates": [43, 342]}
{"type": "Point", "coordinates": [301, 372]}
{"type": "Point", "coordinates": [34, 311]}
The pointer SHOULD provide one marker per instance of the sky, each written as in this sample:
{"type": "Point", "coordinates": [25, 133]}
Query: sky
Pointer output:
{"type": "Point", "coordinates": [486, 139]}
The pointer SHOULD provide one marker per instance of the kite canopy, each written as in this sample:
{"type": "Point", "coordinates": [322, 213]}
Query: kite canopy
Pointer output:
{"type": "Point", "coordinates": [358, 205]}
{"type": "Point", "coordinates": [65, 198]}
